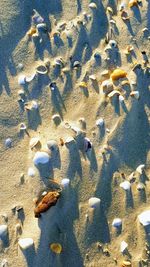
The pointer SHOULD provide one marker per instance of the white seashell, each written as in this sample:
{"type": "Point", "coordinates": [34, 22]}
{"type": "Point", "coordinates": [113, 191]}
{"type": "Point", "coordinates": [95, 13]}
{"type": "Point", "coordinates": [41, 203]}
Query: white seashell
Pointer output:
{"type": "Point", "coordinates": [30, 78]}
{"type": "Point", "coordinates": [65, 182]}
{"type": "Point", "coordinates": [121, 98]}
{"type": "Point", "coordinates": [41, 158]}
{"type": "Point", "coordinates": [94, 202]}
{"type": "Point", "coordinates": [33, 142]}
{"type": "Point", "coordinates": [100, 122]}
{"type": "Point", "coordinates": [117, 222]}
{"type": "Point", "coordinates": [69, 140]}
{"type": "Point", "coordinates": [3, 230]}
{"type": "Point", "coordinates": [8, 142]}
{"type": "Point", "coordinates": [92, 5]}
{"type": "Point", "coordinates": [123, 246]}
{"type": "Point", "coordinates": [22, 80]}
{"type": "Point", "coordinates": [144, 218]}
{"type": "Point", "coordinates": [140, 168]}
{"type": "Point", "coordinates": [135, 94]}
{"type": "Point", "coordinates": [125, 185]}
{"type": "Point", "coordinates": [31, 172]}
{"type": "Point", "coordinates": [25, 243]}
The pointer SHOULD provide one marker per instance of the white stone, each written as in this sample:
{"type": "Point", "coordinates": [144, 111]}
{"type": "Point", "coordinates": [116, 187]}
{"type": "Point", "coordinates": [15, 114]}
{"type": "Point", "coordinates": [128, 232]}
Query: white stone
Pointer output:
{"type": "Point", "coordinates": [125, 185]}
{"type": "Point", "coordinates": [117, 222]}
{"type": "Point", "coordinates": [123, 246]}
{"type": "Point", "coordinates": [25, 243]}
{"type": "Point", "coordinates": [144, 218]}
{"type": "Point", "coordinates": [3, 230]}
{"type": "Point", "coordinates": [94, 202]}
{"type": "Point", "coordinates": [41, 158]}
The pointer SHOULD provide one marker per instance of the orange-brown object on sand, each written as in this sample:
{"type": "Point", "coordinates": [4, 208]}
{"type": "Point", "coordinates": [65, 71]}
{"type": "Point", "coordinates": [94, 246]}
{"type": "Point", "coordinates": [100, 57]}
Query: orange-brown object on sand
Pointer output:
{"type": "Point", "coordinates": [126, 264]}
{"type": "Point", "coordinates": [31, 31]}
{"type": "Point", "coordinates": [56, 247]}
{"type": "Point", "coordinates": [117, 74]}
{"type": "Point", "coordinates": [49, 200]}
{"type": "Point", "coordinates": [133, 3]}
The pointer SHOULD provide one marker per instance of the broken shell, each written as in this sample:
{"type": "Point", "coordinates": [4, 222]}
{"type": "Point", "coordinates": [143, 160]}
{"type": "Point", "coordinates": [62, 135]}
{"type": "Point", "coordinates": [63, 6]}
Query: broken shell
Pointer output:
{"type": "Point", "coordinates": [56, 248]}
{"type": "Point", "coordinates": [94, 202]}
{"type": "Point", "coordinates": [3, 231]}
{"type": "Point", "coordinates": [133, 3]}
{"type": "Point", "coordinates": [117, 74]}
{"type": "Point", "coordinates": [92, 5]}
{"type": "Point", "coordinates": [100, 122]}
{"type": "Point", "coordinates": [31, 172]}
{"type": "Point", "coordinates": [22, 80]}
{"type": "Point", "coordinates": [25, 243]}
{"type": "Point", "coordinates": [144, 218]}
{"type": "Point", "coordinates": [117, 222]}
{"type": "Point", "coordinates": [125, 185]}
{"type": "Point", "coordinates": [42, 69]}
{"type": "Point", "coordinates": [41, 158]}
{"type": "Point", "coordinates": [135, 94]}
{"type": "Point", "coordinates": [123, 246]}
{"type": "Point", "coordinates": [140, 168]}
{"type": "Point", "coordinates": [34, 142]}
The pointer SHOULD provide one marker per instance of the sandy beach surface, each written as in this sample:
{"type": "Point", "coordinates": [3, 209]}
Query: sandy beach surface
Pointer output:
{"type": "Point", "coordinates": [77, 73]}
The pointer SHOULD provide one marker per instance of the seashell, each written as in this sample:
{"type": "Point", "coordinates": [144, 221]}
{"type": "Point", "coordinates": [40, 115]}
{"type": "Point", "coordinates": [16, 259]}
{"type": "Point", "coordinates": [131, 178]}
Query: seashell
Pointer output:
{"type": "Point", "coordinates": [22, 80]}
{"type": "Point", "coordinates": [109, 9]}
{"type": "Point", "coordinates": [126, 264]}
{"type": "Point", "coordinates": [113, 22]}
{"type": "Point", "coordinates": [92, 5]}
{"type": "Point", "coordinates": [112, 43]}
{"type": "Point", "coordinates": [122, 6]}
{"type": "Point", "coordinates": [59, 62]}
{"type": "Point", "coordinates": [133, 3]}
{"type": "Point", "coordinates": [41, 69]}
{"type": "Point", "coordinates": [30, 78]}
{"type": "Point", "coordinates": [56, 118]}
{"type": "Point", "coordinates": [41, 158]}
{"type": "Point", "coordinates": [125, 185]}
{"type": "Point", "coordinates": [25, 243]}
{"type": "Point", "coordinates": [56, 248]}
{"type": "Point", "coordinates": [94, 202]}
{"type": "Point", "coordinates": [8, 143]}
{"type": "Point", "coordinates": [33, 142]}
{"type": "Point", "coordinates": [83, 84]}
{"type": "Point", "coordinates": [3, 231]}
{"type": "Point", "coordinates": [107, 86]}
{"type": "Point", "coordinates": [49, 200]}
{"type": "Point", "coordinates": [65, 182]}
{"type": "Point", "coordinates": [135, 94]}
{"type": "Point", "coordinates": [121, 99]}
{"type": "Point", "coordinates": [144, 218]}
{"type": "Point", "coordinates": [31, 172]}
{"type": "Point", "coordinates": [100, 122]}
{"type": "Point", "coordinates": [144, 30]}
{"type": "Point", "coordinates": [41, 27]}
{"type": "Point", "coordinates": [117, 74]}
{"type": "Point", "coordinates": [113, 93]}
{"type": "Point", "coordinates": [31, 31]}
{"type": "Point", "coordinates": [140, 186]}
{"type": "Point", "coordinates": [52, 145]}
{"type": "Point", "coordinates": [23, 127]}
{"type": "Point", "coordinates": [124, 15]}
{"type": "Point", "coordinates": [117, 222]}
{"type": "Point", "coordinates": [76, 64]}
{"type": "Point", "coordinates": [69, 140]}
{"type": "Point", "coordinates": [4, 263]}
{"type": "Point", "coordinates": [123, 246]}
{"type": "Point", "coordinates": [140, 168]}
{"type": "Point", "coordinates": [65, 70]}
{"type": "Point", "coordinates": [92, 77]}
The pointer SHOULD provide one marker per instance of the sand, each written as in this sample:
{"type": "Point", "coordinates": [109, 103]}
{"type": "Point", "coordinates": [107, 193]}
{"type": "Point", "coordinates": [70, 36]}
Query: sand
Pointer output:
{"type": "Point", "coordinates": [124, 139]}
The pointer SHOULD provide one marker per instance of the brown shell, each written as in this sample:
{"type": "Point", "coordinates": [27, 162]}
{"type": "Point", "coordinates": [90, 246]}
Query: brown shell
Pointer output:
{"type": "Point", "coordinates": [49, 200]}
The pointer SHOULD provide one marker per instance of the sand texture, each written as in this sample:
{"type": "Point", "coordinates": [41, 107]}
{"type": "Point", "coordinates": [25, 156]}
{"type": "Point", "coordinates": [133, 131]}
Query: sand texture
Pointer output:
{"type": "Point", "coordinates": [99, 120]}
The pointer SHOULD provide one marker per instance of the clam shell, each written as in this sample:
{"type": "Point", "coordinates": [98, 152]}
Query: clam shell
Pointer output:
{"type": "Point", "coordinates": [25, 243]}
{"type": "Point", "coordinates": [34, 141]}
{"type": "Point", "coordinates": [144, 218]}
{"type": "Point", "coordinates": [94, 202]}
{"type": "Point", "coordinates": [41, 158]}
{"type": "Point", "coordinates": [117, 74]}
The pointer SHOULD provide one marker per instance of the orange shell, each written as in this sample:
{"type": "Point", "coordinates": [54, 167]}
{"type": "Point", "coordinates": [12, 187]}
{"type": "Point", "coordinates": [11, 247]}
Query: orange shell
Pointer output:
{"type": "Point", "coordinates": [31, 31]}
{"type": "Point", "coordinates": [117, 74]}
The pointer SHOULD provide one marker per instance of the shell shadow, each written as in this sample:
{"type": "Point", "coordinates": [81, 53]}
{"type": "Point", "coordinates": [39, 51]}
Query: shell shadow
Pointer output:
{"type": "Point", "coordinates": [45, 170]}
{"type": "Point", "coordinates": [30, 256]}
{"type": "Point", "coordinates": [75, 166]}
{"type": "Point", "coordinates": [129, 199]}
{"type": "Point", "coordinates": [34, 119]}
{"type": "Point", "coordinates": [57, 101]}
